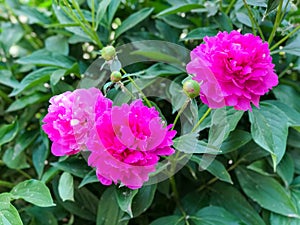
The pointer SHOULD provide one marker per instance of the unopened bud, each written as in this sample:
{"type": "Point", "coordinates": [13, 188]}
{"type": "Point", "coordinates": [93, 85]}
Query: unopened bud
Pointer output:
{"type": "Point", "coordinates": [191, 88]}
{"type": "Point", "coordinates": [115, 76]}
{"type": "Point", "coordinates": [108, 53]}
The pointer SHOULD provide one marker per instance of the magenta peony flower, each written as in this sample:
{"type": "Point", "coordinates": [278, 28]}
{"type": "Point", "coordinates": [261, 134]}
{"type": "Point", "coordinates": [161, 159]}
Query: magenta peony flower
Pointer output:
{"type": "Point", "coordinates": [235, 70]}
{"type": "Point", "coordinates": [127, 144]}
{"type": "Point", "coordinates": [70, 118]}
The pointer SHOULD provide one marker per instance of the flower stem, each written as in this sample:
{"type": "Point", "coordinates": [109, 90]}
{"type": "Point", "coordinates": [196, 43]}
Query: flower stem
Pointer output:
{"type": "Point", "coordinates": [93, 14]}
{"type": "Point", "coordinates": [176, 195]}
{"type": "Point", "coordinates": [285, 38]}
{"type": "Point", "coordinates": [5, 97]}
{"type": "Point", "coordinates": [253, 21]}
{"type": "Point", "coordinates": [213, 180]}
{"type": "Point", "coordinates": [138, 88]}
{"type": "Point", "coordinates": [183, 107]}
{"type": "Point", "coordinates": [201, 119]}
{"type": "Point", "coordinates": [6, 184]}
{"type": "Point", "coordinates": [125, 89]}
{"type": "Point", "coordinates": [277, 22]}
{"type": "Point", "coordinates": [230, 6]}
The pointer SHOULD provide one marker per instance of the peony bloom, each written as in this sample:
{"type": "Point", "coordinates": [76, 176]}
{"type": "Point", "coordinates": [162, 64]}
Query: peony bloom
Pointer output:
{"type": "Point", "coordinates": [235, 70]}
{"type": "Point", "coordinates": [127, 144]}
{"type": "Point", "coordinates": [70, 118]}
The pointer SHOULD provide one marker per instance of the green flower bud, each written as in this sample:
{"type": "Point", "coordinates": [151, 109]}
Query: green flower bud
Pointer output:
{"type": "Point", "coordinates": [191, 88]}
{"type": "Point", "coordinates": [115, 76]}
{"type": "Point", "coordinates": [108, 53]}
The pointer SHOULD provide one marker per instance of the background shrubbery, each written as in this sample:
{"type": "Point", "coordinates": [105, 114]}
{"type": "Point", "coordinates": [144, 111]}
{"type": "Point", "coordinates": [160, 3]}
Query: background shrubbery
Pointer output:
{"type": "Point", "coordinates": [46, 48]}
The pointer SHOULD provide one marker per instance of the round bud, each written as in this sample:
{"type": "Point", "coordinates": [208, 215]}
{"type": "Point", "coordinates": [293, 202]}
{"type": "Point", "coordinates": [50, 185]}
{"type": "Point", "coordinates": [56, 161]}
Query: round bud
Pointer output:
{"type": "Point", "coordinates": [115, 76]}
{"type": "Point", "coordinates": [108, 53]}
{"type": "Point", "coordinates": [191, 88]}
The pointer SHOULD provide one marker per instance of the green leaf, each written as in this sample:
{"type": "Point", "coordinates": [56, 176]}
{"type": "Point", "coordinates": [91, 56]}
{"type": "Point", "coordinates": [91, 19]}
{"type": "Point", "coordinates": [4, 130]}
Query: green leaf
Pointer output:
{"type": "Point", "coordinates": [267, 192]}
{"type": "Point", "coordinates": [214, 215]}
{"type": "Point", "coordinates": [213, 166]}
{"type": "Point", "coordinates": [200, 33]}
{"type": "Point", "coordinates": [133, 20]}
{"type": "Point", "coordinates": [33, 15]}
{"type": "Point", "coordinates": [47, 58]}
{"type": "Point", "coordinates": [8, 132]}
{"type": "Point", "coordinates": [124, 198]}
{"type": "Point", "coordinates": [276, 219]}
{"type": "Point", "coordinates": [25, 101]}
{"type": "Point", "coordinates": [261, 3]}
{"type": "Point", "coordinates": [156, 55]}
{"type": "Point", "coordinates": [9, 215]}
{"type": "Point", "coordinates": [57, 44]}
{"type": "Point", "coordinates": [260, 166]}
{"type": "Point", "coordinates": [102, 9]}
{"type": "Point", "coordinates": [288, 95]}
{"type": "Point", "coordinates": [109, 212]}
{"type": "Point", "coordinates": [84, 206]}
{"type": "Point", "coordinates": [143, 199]}
{"type": "Point", "coordinates": [286, 169]}
{"type": "Point", "coordinates": [89, 178]}
{"type": "Point", "coordinates": [235, 140]}
{"type": "Point", "coordinates": [269, 129]}
{"type": "Point", "coordinates": [292, 114]}
{"type": "Point", "coordinates": [169, 220]}
{"type": "Point", "coordinates": [8, 79]}
{"type": "Point", "coordinates": [272, 5]}
{"type": "Point", "coordinates": [10, 35]}
{"type": "Point", "coordinates": [190, 144]}
{"type": "Point", "coordinates": [160, 69]}
{"type": "Point", "coordinates": [42, 216]}
{"type": "Point", "coordinates": [76, 167]}
{"type": "Point", "coordinates": [56, 76]}
{"type": "Point", "coordinates": [33, 191]}
{"type": "Point", "coordinates": [39, 155]}
{"type": "Point", "coordinates": [243, 18]}
{"type": "Point", "coordinates": [233, 201]}
{"type": "Point", "coordinates": [223, 121]}
{"type": "Point", "coordinates": [15, 161]}
{"type": "Point", "coordinates": [66, 187]}
{"type": "Point", "coordinates": [179, 9]}
{"type": "Point", "coordinates": [178, 98]}
{"type": "Point", "coordinates": [292, 47]}
{"type": "Point", "coordinates": [64, 19]}
{"type": "Point", "coordinates": [33, 79]}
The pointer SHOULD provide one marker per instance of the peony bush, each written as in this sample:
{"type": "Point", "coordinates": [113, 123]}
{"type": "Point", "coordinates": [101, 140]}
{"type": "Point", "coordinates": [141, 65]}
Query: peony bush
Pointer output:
{"type": "Point", "coordinates": [149, 112]}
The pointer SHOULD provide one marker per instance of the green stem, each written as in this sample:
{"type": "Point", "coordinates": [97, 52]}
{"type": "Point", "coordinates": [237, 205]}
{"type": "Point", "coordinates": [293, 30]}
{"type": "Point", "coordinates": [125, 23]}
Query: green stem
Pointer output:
{"type": "Point", "coordinates": [125, 89]}
{"type": "Point", "coordinates": [230, 6]}
{"type": "Point", "coordinates": [24, 174]}
{"type": "Point", "coordinates": [180, 112]}
{"type": "Point", "coordinates": [285, 38]}
{"type": "Point", "coordinates": [5, 97]}
{"type": "Point", "coordinates": [86, 27]}
{"type": "Point", "coordinates": [176, 195]}
{"type": "Point", "coordinates": [93, 14]}
{"type": "Point", "coordinates": [201, 119]}
{"type": "Point", "coordinates": [6, 184]}
{"type": "Point", "coordinates": [253, 21]}
{"type": "Point", "coordinates": [283, 72]}
{"type": "Point", "coordinates": [277, 22]}
{"type": "Point", "coordinates": [138, 88]}
{"type": "Point", "coordinates": [213, 180]}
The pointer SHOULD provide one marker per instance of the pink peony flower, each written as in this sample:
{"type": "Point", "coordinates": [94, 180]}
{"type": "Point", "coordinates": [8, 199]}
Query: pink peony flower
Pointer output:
{"type": "Point", "coordinates": [70, 118]}
{"type": "Point", "coordinates": [127, 144]}
{"type": "Point", "coordinates": [235, 70]}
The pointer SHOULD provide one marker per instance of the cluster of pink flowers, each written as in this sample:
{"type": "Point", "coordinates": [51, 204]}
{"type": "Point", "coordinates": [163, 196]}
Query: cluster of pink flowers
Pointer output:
{"type": "Point", "coordinates": [125, 142]}
{"type": "Point", "coordinates": [234, 69]}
